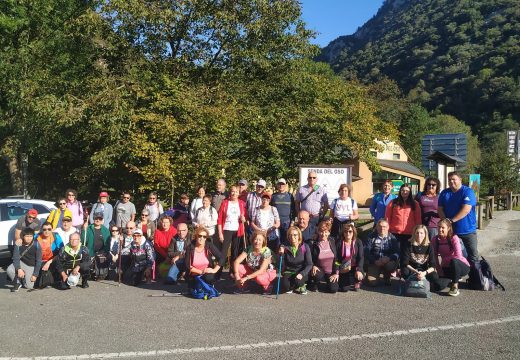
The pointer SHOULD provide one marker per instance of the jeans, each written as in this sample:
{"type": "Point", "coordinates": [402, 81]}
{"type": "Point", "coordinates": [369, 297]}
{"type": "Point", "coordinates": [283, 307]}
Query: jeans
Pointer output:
{"type": "Point", "coordinates": [176, 269]}
{"type": "Point", "coordinates": [28, 270]}
{"type": "Point", "coordinates": [470, 242]}
{"type": "Point", "coordinates": [284, 226]}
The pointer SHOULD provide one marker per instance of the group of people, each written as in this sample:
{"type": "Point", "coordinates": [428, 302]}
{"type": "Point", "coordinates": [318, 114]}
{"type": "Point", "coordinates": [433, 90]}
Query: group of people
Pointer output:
{"type": "Point", "coordinates": [312, 242]}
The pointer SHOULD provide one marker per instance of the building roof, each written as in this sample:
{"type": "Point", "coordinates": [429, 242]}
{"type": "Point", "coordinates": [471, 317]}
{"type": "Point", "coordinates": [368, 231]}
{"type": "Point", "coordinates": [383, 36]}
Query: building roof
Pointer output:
{"type": "Point", "coordinates": [441, 157]}
{"type": "Point", "coordinates": [403, 166]}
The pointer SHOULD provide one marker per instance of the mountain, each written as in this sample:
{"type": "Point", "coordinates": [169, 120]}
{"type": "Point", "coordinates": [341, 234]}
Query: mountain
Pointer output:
{"type": "Point", "coordinates": [459, 57]}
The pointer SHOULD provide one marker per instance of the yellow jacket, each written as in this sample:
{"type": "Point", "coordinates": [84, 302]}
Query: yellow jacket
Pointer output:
{"type": "Point", "coordinates": [55, 214]}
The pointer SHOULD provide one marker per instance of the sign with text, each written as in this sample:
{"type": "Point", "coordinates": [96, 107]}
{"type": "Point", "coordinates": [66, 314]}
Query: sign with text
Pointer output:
{"type": "Point", "coordinates": [330, 177]}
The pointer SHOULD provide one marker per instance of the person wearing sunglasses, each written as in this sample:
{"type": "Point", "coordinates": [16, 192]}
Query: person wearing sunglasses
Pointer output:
{"type": "Point", "coordinates": [428, 201]}
{"type": "Point", "coordinates": [56, 216]}
{"type": "Point", "coordinates": [154, 207]}
{"type": "Point", "coordinates": [350, 259]}
{"type": "Point", "coordinates": [313, 199]}
{"type": "Point", "coordinates": [30, 220]}
{"type": "Point", "coordinates": [146, 225]}
{"type": "Point", "coordinates": [50, 243]}
{"type": "Point", "coordinates": [66, 230]}
{"type": "Point", "coordinates": [143, 256]}
{"type": "Point", "coordinates": [124, 210]}
{"type": "Point", "coordinates": [202, 258]}
{"type": "Point", "coordinates": [97, 240]}
{"type": "Point", "coordinates": [76, 209]}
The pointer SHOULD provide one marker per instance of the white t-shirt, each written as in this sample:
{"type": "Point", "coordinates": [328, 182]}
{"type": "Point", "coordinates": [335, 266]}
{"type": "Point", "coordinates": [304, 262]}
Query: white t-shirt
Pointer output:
{"type": "Point", "coordinates": [233, 213]}
{"type": "Point", "coordinates": [343, 209]}
{"type": "Point", "coordinates": [65, 235]}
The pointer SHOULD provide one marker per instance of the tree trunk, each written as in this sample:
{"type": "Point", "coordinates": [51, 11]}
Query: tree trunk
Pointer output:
{"type": "Point", "coordinates": [15, 174]}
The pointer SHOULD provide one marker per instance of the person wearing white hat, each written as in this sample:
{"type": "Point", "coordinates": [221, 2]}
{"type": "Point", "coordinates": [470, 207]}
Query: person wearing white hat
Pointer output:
{"type": "Point", "coordinates": [143, 256]}
{"type": "Point", "coordinates": [72, 262]}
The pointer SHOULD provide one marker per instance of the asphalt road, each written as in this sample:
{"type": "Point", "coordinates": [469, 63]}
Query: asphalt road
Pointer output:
{"type": "Point", "coordinates": [106, 321]}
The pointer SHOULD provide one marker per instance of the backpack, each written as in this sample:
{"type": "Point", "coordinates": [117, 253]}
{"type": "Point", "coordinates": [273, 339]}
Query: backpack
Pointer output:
{"type": "Point", "coordinates": [481, 277]}
{"type": "Point", "coordinates": [416, 288]}
{"type": "Point", "coordinates": [101, 263]}
{"type": "Point", "coordinates": [203, 290]}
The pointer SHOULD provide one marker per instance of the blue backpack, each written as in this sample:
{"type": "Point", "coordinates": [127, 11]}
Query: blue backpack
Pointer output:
{"type": "Point", "coordinates": [203, 290]}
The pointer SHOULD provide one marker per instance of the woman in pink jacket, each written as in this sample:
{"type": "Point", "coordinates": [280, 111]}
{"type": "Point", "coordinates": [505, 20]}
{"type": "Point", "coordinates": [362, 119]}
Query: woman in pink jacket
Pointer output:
{"type": "Point", "coordinates": [403, 214]}
{"type": "Point", "coordinates": [452, 264]}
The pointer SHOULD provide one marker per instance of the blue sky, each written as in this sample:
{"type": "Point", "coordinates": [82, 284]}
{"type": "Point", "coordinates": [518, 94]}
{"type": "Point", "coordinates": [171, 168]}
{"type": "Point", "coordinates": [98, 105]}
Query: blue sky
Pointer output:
{"type": "Point", "coordinates": [333, 18]}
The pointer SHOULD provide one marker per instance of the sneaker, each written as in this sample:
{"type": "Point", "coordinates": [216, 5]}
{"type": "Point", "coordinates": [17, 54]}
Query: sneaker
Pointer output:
{"type": "Point", "coordinates": [302, 290]}
{"type": "Point", "coordinates": [239, 291]}
{"type": "Point", "coordinates": [289, 292]}
{"type": "Point", "coordinates": [16, 287]}
{"type": "Point", "coordinates": [453, 291]}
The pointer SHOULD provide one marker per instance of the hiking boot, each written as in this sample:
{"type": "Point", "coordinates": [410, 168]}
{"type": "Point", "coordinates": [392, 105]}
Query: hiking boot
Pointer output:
{"type": "Point", "coordinates": [63, 286]}
{"type": "Point", "coordinates": [84, 283]}
{"type": "Point", "coordinates": [302, 290]}
{"type": "Point", "coordinates": [453, 291]}
{"type": "Point", "coordinates": [16, 286]}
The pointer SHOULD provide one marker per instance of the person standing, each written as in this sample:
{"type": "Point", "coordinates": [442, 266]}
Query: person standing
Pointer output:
{"type": "Point", "coordinates": [196, 203]}
{"type": "Point", "coordinates": [254, 201]}
{"type": "Point", "coordinates": [313, 199]}
{"type": "Point", "coordinates": [207, 216]}
{"type": "Point", "coordinates": [283, 201]}
{"type": "Point", "coordinates": [104, 208]}
{"type": "Point", "coordinates": [428, 201]}
{"type": "Point", "coordinates": [146, 225]}
{"type": "Point", "coordinates": [457, 204]}
{"type": "Point", "coordinates": [219, 195]}
{"type": "Point", "coordinates": [242, 190]}
{"type": "Point", "coordinates": [75, 208]}
{"type": "Point", "coordinates": [344, 210]}
{"type": "Point", "coordinates": [124, 211]}
{"type": "Point", "coordinates": [154, 207]}
{"type": "Point", "coordinates": [381, 200]}
{"type": "Point", "coordinates": [56, 215]}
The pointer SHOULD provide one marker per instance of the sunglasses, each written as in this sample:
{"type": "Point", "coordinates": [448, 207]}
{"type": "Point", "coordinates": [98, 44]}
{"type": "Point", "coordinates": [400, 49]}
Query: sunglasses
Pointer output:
{"type": "Point", "coordinates": [349, 231]}
{"type": "Point", "coordinates": [202, 237]}
{"type": "Point", "coordinates": [144, 215]}
{"type": "Point", "coordinates": [31, 217]}
{"type": "Point", "coordinates": [47, 229]}
{"type": "Point", "coordinates": [98, 218]}
{"type": "Point", "coordinates": [312, 177]}
{"type": "Point", "coordinates": [63, 203]}
{"type": "Point", "coordinates": [432, 185]}
{"type": "Point", "coordinates": [115, 230]}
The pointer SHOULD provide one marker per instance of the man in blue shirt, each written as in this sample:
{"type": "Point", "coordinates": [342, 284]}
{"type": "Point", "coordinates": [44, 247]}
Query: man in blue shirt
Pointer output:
{"type": "Point", "coordinates": [457, 204]}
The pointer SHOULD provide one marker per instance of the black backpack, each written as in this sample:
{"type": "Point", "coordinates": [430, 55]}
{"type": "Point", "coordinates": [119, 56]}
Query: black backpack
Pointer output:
{"type": "Point", "coordinates": [481, 277]}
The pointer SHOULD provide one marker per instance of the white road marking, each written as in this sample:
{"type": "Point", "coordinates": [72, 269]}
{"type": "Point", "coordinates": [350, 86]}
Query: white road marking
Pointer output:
{"type": "Point", "coordinates": [167, 352]}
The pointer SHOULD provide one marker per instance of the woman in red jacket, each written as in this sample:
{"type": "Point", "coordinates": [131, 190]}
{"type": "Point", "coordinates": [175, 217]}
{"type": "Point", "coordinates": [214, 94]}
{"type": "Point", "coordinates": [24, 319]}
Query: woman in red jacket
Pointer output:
{"type": "Point", "coordinates": [231, 219]}
{"type": "Point", "coordinates": [162, 238]}
{"type": "Point", "coordinates": [403, 214]}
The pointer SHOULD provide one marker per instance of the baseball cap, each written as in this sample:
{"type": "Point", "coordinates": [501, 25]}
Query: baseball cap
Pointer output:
{"type": "Point", "coordinates": [266, 195]}
{"type": "Point", "coordinates": [242, 182]}
{"type": "Point", "coordinates": [67, 218]}
{"type": "Point", "coordinates": [261, 182]}
{"type": "Point", "coordinates": [103, 193]}
{"type": "Point", "coordinates": [281, 181]}
{"type": "Point", "coordinates": [98, 215]}
{"type": "Point", "coordinates": [137, 231]}
{"type": "Point", "coordinates": [32, 213]}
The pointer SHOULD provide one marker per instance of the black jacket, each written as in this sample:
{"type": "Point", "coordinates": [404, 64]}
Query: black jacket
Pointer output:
{"type": "Point", "coordinates": [359, 256]}
{"type": "Point", "coordinates": [212, 253]}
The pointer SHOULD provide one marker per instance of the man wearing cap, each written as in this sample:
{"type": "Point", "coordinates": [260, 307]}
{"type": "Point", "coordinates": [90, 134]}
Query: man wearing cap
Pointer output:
{"type": "Point", "coordinates": [104, 208]}
{"type": "Point", "coordinates": [218, 196]}
{"type": "Point", "coordinates": [143, 256]}
{"type": "Point", "coordinates": [56, 215]}
{"type": "Point", "coordinates": [283, 201]}
{"type": "Point", "coordinates": [73, 260]}
{"type": "Point", "coordinates": [242, 190]}
{"type": "Point", "coordinates": [98, 243]}
{"type": "Point", "coordinates": [30, 220]}
{"type": "Point", "coordinates": [313, 199]}
{"type": "Point", "coordinates": [124, 210]}
{"type": "Point", "coordinates": [254, 200]}
{"type": "Point", "coordinates": [66, 229]}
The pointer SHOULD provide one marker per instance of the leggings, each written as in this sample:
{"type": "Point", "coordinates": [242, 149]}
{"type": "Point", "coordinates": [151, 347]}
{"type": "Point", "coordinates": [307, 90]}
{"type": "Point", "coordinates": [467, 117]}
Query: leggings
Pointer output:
{"type": "Point", "coordinates": [455, 270]}
{"type": "Point", "coordinates": [320, 276]}
{"type": "Point", "coordinates": [290, 282]}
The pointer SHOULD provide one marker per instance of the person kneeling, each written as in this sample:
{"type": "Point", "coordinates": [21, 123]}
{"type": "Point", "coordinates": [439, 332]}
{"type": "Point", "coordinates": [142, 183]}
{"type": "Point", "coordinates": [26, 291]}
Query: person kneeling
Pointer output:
{"type": "Point", "coordinates": [142, 255]}
{"type": "Point", "coordinates": [257, 266]}
{"type": "Point", "coordinates": [72, 261]}
{"type": "Point", "coordinates": [297, 262]}
{"type": "Point", "coordinates": [202, 258]}
{"type": "Point", "coordinates": [27, 261]}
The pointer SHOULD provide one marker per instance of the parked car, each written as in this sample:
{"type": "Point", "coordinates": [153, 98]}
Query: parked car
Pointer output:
{"type": "Point", "coordinates": [11, 209]}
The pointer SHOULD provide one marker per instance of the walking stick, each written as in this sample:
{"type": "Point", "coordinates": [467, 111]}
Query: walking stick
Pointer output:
{"type": "Point", "coordinates": [279, 276]}
{"type": "Point", "coordinates": [119, 260]}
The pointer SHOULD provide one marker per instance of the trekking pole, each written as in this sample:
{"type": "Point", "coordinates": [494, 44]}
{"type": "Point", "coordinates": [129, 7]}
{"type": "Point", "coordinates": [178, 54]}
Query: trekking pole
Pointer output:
{"type": "Point", "coordinates": [119, 261]}
{"type": "Point", "coordinates": [279, 276]}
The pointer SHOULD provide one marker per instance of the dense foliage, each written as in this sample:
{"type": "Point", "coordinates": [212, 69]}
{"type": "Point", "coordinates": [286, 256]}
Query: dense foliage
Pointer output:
{"type": "Point", "coordinates": [169, 94]}
{"type": "Point", "coordinates": [459, 57]}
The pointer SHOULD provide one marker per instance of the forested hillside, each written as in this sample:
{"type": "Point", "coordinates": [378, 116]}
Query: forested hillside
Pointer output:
{"type": "Point", "coordinates": [458, 57]}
